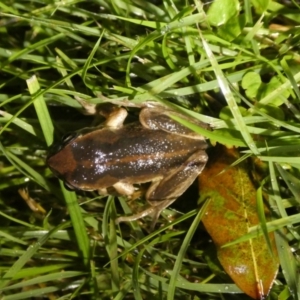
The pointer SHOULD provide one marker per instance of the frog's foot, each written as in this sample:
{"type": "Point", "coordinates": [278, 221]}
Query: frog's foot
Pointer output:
{"type": "Point", "coordinates": [137, 216]}
{"type": "Point", "coordinates": [158, 210]}
{"type": "Point", "coordinates": [153, 211]}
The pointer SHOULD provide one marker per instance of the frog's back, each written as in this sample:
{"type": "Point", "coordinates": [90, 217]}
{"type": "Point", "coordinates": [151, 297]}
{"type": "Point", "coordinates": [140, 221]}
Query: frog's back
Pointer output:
{"type": "Point", "coordinates": [131, 154]}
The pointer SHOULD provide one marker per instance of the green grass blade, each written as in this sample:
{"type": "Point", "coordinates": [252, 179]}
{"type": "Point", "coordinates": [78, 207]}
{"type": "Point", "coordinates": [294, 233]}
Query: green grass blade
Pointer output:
{"type": "Point", "coordinates": [41, 110]}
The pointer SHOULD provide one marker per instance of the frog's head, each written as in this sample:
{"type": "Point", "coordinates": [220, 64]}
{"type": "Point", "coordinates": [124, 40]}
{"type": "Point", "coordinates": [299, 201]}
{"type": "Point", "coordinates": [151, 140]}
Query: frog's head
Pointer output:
{"type": "Point", "coordinates": [60, 158]}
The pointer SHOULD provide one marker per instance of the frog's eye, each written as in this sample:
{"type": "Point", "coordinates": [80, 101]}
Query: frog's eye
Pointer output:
{"type": "Point", "coordinates": [68, 137]}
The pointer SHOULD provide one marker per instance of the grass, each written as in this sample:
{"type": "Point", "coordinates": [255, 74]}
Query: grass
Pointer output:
{"type": "Point", "coordinates": [234, 65]}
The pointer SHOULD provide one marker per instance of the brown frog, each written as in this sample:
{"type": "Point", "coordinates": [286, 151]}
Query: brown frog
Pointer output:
{"type": "Point", "coordinates": [156, 149]}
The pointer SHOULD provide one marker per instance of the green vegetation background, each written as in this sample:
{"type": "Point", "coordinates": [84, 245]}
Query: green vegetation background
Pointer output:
{"type": "Point", "coordinates": [232, 64]}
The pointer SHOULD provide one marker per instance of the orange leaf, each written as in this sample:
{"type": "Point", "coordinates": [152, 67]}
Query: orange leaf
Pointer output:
{"type": "Point", "coordinates": [231, 212]}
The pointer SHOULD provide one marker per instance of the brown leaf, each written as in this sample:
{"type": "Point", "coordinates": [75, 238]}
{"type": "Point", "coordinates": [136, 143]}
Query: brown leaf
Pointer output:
{"type": "Point", "coordinates": [231, 212]}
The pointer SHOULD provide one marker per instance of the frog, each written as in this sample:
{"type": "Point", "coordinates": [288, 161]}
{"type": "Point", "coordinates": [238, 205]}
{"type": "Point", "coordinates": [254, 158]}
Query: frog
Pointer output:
{"type": "Point", "coordinates": [119, 156]}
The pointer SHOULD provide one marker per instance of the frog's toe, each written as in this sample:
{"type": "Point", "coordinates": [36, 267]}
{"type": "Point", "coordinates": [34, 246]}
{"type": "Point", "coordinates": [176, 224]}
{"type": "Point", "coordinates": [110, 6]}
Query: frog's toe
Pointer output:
{"type": "Point", "coordinates": [137, 216]}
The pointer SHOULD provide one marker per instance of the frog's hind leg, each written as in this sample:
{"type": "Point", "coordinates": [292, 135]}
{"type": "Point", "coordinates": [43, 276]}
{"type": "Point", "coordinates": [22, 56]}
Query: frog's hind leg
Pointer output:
{"type": "Point", "coordinates": [158, 210]}
{"type": "Point", "coordinates": [178, 180]}
{"type": "Point", "coordinates": [153, 211]}
{"type": "Point", "coordinates": [157, 118]}
{"type": "Point", "coordinates": [165, 191]}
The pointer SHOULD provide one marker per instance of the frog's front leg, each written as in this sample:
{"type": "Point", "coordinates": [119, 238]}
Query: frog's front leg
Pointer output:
{"type": "Point", "coordinates": [122, 188]}
{"type": "Point", "coordinates": [114, 115]}
{"type": "Point", "coordinates": [165, 191]}
{"type": "Point", "coordinates": [159, 118]}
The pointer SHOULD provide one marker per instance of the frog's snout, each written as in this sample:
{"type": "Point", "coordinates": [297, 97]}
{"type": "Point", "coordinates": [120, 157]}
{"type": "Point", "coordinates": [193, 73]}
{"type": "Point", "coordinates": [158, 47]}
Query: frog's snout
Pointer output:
{"type": "Point", "coordinates": [61, 160]}
{"type": "Point", "coordinates": [53, 149]}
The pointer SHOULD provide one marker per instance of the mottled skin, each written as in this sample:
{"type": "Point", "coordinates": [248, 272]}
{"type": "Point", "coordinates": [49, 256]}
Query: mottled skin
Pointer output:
{"type": "Point", "coordinates": [156, 149]}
